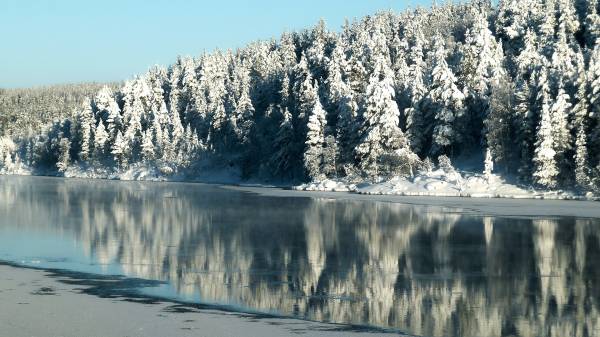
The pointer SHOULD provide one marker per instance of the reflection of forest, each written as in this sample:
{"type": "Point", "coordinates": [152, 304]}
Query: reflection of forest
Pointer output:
{"type": "Point", "coordinates": [413, 268]}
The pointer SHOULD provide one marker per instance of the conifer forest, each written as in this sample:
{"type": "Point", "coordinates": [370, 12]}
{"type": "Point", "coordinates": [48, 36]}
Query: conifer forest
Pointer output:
{"type": "Point", "coordinates": [515, 83]}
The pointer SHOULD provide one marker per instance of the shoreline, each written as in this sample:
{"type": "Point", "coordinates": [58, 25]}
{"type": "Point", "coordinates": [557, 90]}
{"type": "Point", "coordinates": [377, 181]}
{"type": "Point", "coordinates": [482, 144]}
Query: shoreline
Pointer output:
{"type": "Point", "coordinates": [479, 206]}
{"type": "Point", "coordinates": [503, 207]}
{"type": "Point", "coordinates": [49, 302]}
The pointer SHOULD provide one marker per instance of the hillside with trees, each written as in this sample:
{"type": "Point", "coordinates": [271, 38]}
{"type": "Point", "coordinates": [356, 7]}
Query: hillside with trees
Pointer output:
{"type": "Point", "coordinates": [517, 83]}
{"type": "Point", "coordinates": [26, 111]}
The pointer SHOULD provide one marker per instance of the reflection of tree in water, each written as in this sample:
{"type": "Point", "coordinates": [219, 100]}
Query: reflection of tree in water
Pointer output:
{"type": "Point", "coordinates": [413, 268]}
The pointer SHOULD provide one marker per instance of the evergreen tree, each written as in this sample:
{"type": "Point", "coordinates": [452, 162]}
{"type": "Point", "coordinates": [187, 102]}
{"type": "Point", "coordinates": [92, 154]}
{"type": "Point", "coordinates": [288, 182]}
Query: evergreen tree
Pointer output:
{"type": "Point", "coordinates": [445, 101]}
{"type": "Point", "coordinates": [64, 157]}
{"type": "Point", "coordinates": [315, 142]}
{"type": "Point", "coordinates": [581, 122]}
{"type": "Point", "coordinates": [499, 124]}
{"type": "Point", "coordinates": [285, 148]}
{"type": "Point", "coordinates": [343, 104]}
{"type": "Point", "coordinates": [100, 140]}
{"type": "Point", "coordinates": [545, 167]}
{"type": "Point", "coordinates": [592, 23]}
{"type": "Point", "coordinates": [525, 129]}
{"type": "Point", "coordinates": [330, 157]}
{"type": "Point", "coordinates": [244, 109]}
{"type": "Point", "coordinates": [147, 147]}
{"type": "Point", "coordinates": [559, 112]}
{"type": "Point", "coordinates": [416, 121]}
{"type": "Point", "coordinates": [594, 100]}
{"type": "Point", "coordinates": [85, 125]}
{"type": "Point", "coordinates": [108, 109]}
{"type": "Point", "coordinates": [120, 150]}
{"type": "Point", "coordinates": [380, 133]}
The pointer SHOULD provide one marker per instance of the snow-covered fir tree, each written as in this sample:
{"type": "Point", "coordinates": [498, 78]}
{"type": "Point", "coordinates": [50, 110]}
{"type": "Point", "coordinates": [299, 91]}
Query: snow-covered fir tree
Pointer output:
{"type": "Point", "coordinates": [581, 112]}
{"type": "Point", "coordinates": [546, 171]}
{"type": "Point", "coordinates": [380, 132]}
{"type": "Point", "coordinates": [315, 141]}
{"type": "Point", "coordinates": [444, 103]}
{"type": "Point", "coordinates": [100, 141]}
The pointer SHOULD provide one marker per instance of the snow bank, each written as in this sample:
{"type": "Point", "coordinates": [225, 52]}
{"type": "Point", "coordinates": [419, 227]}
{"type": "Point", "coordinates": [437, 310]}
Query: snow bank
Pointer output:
{"type": "Point", "coordinates": [437, 183]}
{"type": "Point", "coordinates": [327, 185]}
{"type": "Point", "coordinates": [443, 183]}
{"type": "Point", "coordinates": [440, 183]}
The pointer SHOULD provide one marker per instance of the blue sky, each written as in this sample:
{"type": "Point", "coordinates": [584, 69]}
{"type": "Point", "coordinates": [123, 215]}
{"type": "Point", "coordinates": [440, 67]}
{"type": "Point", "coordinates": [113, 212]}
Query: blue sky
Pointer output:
{"type": "Point", "coordinates": [65, 41]}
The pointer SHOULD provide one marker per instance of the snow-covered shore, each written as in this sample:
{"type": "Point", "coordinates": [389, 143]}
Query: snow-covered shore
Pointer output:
{"type": "Point", "coordinates": [436, 183]}
{"type": "Point", "coordinates": [440, 183]}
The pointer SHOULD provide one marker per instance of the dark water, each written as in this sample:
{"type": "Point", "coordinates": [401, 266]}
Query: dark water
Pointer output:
{"type": "Point", "coordinates": [424, 271]}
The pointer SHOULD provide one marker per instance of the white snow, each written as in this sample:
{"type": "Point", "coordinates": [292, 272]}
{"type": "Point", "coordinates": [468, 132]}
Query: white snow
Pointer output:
{"type": "Point", "coordinates": [441, 183]}
{"type": "Point", "coordinates": [327, 185]}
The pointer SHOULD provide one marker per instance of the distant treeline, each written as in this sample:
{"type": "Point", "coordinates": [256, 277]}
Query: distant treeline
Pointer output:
{"type": "Point", "coordinates": [27, 110]}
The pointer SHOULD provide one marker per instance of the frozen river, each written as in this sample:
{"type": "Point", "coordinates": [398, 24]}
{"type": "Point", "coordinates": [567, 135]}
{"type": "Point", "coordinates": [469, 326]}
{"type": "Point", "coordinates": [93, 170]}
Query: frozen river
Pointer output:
{"type": "Point", "coordinates": [422, 270]}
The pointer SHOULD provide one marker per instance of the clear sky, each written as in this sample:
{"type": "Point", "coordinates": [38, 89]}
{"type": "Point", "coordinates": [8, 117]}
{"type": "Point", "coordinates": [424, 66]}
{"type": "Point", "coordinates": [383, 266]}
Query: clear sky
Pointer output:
{"type": "Point", "coordinates": [65, 41]}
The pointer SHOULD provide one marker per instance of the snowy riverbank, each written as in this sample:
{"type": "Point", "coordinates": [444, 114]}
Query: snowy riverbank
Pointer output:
{"type": "Point", "coordinates": [440, 183]}
{"type": "Point", "coordinates": [436, 183]}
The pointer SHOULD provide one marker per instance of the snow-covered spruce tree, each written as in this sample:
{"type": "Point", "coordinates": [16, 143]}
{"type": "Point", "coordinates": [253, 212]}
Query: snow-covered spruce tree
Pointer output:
{"type": "Point", "coordinates": [358, 75]}
{"type": "Point", "coordinates": [315, 52]}
{"type": "Point", "coordinates": [243, 115]}
{"type": "Point", "coordinates": [581, 122]}
{"type": "Point", "coordinates": [343, 105]}
{"type": "Point", "coordinates": [216, 68]}
{"type": "Point", "coordinates": [559, 112]}
{"type": "Point", "coordinates": [108, 109]}
{"type": "Point", "coordinates": [594, 100]}
{"type": "Point", "coordinates": [85, 126]}
{"type": "Point", "coordinates": [525, 122]}
{"type": "Point", "coordinates": [136, 96]}
{"type": "Point", "coordinates": [444, 102]}
{"type": "Point", "coordinates": [315, 142]}
{"type": "Point", "coordinates": [482, 62]}
{"type": "Point", "coordinates": [514, 18]}
{"type": "Point", "coordinates": [147, 147]}
{"type": "Point", "coordinates": [545, 167]}
{"type": "Point", "coordinates": [592, 23]}
{"type": "Point", "coordinates": [64, 156]}
{"type": "Point", "coordinates": [331, 157]}
{"type": "Point", "coordinates": [499, 122]}
{"type": "Point", "coordinates": [100, 141]}
{"type": "Point", "coordinates": [287, 51]}
{"type": "Point", "coordinates": [380, 132]}
{"type": "Point", "coordinates": [287, 151]}
{"type": "Point", "coordinates": [174, 94]}
{"type": "Point", "coordinates": [568, 21]}
{"type": "Point", "coordinates": [120, 150]}
{"type": "Point", "coordinates": [305, 97]}
{"type": "Point", "coordinates": [157, 81]}
{"type": "Point", "coordinates": [529, 58]}
{"type": "Point", "coordinates": [416, 121]}
{"type": "Point", "coordinates": [190, 98]}
{"type": "Point", "coordinates": [304, 92]}
{"type": "Point", "coordinates": [547, 27]}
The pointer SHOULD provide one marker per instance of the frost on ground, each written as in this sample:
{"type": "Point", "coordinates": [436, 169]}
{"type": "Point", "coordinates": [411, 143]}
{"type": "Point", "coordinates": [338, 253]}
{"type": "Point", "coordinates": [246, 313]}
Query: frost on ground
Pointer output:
{"type": "Point", "coordinates": [444, 183]}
